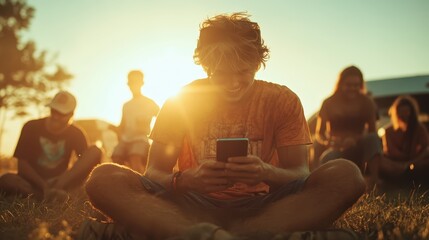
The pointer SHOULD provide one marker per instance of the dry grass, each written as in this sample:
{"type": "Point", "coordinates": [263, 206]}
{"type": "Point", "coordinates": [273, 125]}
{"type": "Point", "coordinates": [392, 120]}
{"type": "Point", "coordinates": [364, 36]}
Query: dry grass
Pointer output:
{"type": "Point", "coordinates": [387, 216]}
{"type": "Point", "coordinates": [403, 215]}
{"type": "Point", "coordinates": [375, 217]}
{"type": "Point", "coordinates": [28, 218]}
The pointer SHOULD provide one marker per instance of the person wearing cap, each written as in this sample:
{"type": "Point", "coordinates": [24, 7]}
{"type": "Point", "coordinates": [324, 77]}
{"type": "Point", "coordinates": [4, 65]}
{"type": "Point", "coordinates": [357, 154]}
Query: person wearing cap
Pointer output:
{"type": "Point", "coordinates": [186, 191]}
{"type": "Point", "coordinates": [133, 131]}
{"type": "Point", "coordinates": [44, 151]}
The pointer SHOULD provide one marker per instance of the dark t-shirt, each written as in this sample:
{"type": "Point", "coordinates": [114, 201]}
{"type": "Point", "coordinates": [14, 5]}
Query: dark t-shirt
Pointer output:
{"type": "Point", "coordinates": [347, 118]}
{"type": "Point", "coordinates": [47, 153]}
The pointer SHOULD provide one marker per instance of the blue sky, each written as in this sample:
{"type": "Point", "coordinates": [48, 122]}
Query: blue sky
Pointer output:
{"type": "Point", "coordinates": [310, 42]}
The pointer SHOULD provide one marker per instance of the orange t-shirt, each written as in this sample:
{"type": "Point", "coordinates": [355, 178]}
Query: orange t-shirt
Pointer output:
{"type": "Point", "coordinates": [270, 116]}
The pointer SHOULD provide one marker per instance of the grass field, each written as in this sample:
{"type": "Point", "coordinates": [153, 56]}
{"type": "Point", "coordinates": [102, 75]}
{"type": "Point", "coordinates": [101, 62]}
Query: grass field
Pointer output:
{"type": "Point", "coordinates": [399, 215]}
{"type": "Point", "coordinates": [393, 215]}
{"type": "Point", "coordinates": [375, 217]}
{"type": "Point", "coordinates": [28, 218]}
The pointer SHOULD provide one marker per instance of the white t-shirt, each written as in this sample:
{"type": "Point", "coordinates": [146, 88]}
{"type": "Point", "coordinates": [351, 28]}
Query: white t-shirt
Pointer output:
{"type": "Point", "coordinates": [137, 115]}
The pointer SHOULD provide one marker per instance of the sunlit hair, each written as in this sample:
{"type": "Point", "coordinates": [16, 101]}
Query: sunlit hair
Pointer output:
{"type": "Point", "coordinates": [408, 101]}
{"type": "Point", "coordinates": [347, 72]}
{"type": "Point", "coordinates": [136, 76]}
{"type": "Point", "coordinates": [412, 121]}
{"type": "Point", "coordinates": [231, 40]}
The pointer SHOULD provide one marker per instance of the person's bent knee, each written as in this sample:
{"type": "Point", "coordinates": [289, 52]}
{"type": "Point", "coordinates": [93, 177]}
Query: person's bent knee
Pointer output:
{"type": "Point", "coordinates": [345, 168]}
{"type": "Point", "coordinates": [342, 176]}
{"type": "Point", "coordinates": [118, 159]}
{"type": "Point", "coordinates": [329, 155]}
{"type": "Point", "coordinates": [349, 177]}
{"type": "Point", "coordinates": [106, 176]}
{"type": "Point", "coordinates": [100, 177]}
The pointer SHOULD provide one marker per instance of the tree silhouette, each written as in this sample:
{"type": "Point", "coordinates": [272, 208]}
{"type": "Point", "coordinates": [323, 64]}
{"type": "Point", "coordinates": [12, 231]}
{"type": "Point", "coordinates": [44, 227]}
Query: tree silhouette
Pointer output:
{"type": "Point", "coordinates": [27, 76]}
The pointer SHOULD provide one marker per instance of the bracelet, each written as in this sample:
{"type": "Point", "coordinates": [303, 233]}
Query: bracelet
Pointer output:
{"type": "Point", "coordinates": [174, 180]}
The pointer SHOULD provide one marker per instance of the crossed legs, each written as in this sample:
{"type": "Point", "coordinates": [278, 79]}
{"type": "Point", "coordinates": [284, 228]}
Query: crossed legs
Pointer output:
{"type": "Point", "coordinates": [118, 192]}
{"type": "Point", "coordinates": [329, 191]}
{"type": "Point", "coordinates": [12, 183]}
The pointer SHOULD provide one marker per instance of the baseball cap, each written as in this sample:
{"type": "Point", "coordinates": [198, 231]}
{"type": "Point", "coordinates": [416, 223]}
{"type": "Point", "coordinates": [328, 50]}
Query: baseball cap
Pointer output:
{"type": "Point", "coordinates": [63, 102]}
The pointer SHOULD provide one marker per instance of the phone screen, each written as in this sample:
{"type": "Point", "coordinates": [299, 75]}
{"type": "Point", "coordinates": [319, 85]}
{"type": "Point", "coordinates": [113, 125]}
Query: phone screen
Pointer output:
{"type": "Point", "coordinates": [231, 147]}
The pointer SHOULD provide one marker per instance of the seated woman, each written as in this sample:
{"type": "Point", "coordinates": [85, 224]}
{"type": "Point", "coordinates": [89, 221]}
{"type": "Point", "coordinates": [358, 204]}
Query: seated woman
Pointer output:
{"type": "Point", "coordinates": [405, 144]}
{"type": "Point", "coordinates": [346, 123]}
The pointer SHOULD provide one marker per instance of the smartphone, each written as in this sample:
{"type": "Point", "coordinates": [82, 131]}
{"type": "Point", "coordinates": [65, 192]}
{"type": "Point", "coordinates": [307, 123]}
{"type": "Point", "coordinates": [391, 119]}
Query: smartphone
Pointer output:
{"type": "Point", "coordinates": [231, 147]}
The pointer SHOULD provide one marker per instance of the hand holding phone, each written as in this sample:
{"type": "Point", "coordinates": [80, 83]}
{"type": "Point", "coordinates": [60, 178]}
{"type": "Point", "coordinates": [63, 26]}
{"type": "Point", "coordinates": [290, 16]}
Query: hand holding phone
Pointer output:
{"type": "Point", "coordinates": [231, 147]}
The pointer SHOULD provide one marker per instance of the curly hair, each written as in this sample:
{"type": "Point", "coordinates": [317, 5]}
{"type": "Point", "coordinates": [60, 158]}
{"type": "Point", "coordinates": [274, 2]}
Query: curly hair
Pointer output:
{"type": "Point", "coordinates": [232, 40]}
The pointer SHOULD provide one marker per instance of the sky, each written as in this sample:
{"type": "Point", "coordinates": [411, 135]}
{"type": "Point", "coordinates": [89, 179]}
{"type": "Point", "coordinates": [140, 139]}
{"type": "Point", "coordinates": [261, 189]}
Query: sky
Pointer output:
{"type": "Point", "coordinates": [310, 41]}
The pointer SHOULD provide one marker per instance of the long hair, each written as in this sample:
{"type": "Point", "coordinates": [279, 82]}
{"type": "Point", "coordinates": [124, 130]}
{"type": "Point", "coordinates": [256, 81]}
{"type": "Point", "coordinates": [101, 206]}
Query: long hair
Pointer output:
{"type": "Point", "coordinates": [347, 72]}
{"type": "Point", "coordinates": [411, 122]}
{"type": "Point", "coordinates": [232, 40]}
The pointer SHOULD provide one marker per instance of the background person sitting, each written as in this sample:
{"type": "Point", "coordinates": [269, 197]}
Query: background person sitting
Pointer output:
{"type": "Point", "coordinates": [405, 144]}
{"type": "Point", "coordinates": [44, 151]}
{"type": "Point", "coordinates": [346, 123]}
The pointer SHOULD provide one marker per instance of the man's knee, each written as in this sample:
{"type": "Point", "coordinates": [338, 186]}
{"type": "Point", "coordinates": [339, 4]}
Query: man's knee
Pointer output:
{"type": "Point", "coordinates": [329, 155]}
{"type": "Point", "coordinates": [106, 176]}
{"type": "Point", "coordinates": [342, 176]}
{"type": "Point", "coordinates": [99, 177]}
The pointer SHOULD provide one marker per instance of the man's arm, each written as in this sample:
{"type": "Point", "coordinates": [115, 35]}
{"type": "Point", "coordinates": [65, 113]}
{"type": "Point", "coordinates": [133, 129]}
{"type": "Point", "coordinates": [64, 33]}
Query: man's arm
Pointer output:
{"type": "Point", "coordinates": [293, 164]}
{"type": "Point", "coordinates": [26, 171]}
{"type": "Point", "coordinates": [87, 159]}
{"type": "Point", "coordinates": [210, 176]}
{"type": "Point", "coordinates": [161, 161]}
{"type": "Point", "coordinates": [321, 131]}
{"type": "Point", "coordinates": [25, 149]}
{"type": "Point", "coordinates": [321, 126]}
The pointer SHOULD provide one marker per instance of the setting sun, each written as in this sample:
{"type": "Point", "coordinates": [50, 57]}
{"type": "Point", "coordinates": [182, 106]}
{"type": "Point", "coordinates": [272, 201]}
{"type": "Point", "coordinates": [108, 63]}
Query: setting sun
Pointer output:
{"type": "Point", "coordinates": [164, 75]}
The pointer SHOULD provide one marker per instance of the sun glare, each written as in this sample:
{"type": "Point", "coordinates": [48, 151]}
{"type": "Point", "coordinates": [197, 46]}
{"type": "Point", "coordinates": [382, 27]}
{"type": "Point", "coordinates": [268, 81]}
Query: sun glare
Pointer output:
{"type": "Point", "coordinates": [167, 74]}
{"type": "Point", "coordinates": [165, 81]}
{"type": "Point", "coordinates": [164, 76]}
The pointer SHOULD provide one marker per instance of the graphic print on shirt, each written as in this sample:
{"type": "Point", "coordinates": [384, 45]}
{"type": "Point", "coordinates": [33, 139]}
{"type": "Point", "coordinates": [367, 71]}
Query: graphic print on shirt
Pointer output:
{"type": "Point", "coordinates": [215, 130]}
{"type": "Point", "coordinates": [53, 152]}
